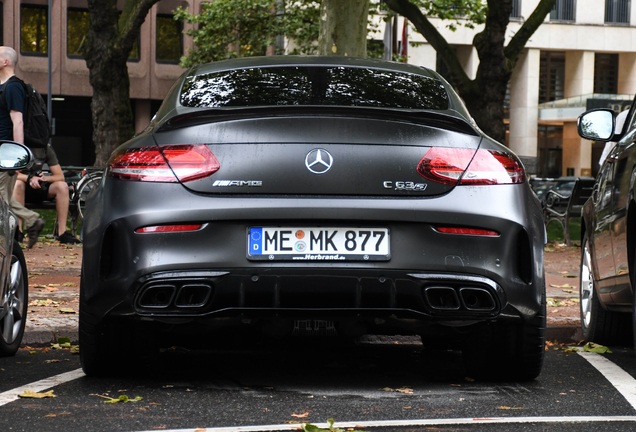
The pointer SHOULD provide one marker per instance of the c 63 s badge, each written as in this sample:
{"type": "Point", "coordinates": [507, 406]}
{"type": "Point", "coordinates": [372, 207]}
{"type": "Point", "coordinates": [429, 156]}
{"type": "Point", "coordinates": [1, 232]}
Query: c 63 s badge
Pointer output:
{"type": "Point", "coordinates": [239, 183]}
{"type": "Point", "coordinates": [404, 186]}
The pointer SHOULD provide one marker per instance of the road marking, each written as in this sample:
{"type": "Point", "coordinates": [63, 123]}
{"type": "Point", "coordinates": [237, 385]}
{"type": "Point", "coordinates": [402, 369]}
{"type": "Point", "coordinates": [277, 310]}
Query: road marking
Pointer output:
{"type": "Point", "coordinates": [621, 380]}
{"type": "Point", "coordinates": [38, 386]}
{"type": "Point", "coordinates": [411, 423]}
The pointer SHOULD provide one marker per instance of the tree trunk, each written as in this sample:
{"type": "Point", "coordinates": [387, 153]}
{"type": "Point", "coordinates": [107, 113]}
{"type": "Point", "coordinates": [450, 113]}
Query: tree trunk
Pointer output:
{"type": "Point", "coordinates": [485, 95]}
{"type": "Point", "coordinates": [111, 36]}
{"type": "Point", "coordinates": [343, 27]}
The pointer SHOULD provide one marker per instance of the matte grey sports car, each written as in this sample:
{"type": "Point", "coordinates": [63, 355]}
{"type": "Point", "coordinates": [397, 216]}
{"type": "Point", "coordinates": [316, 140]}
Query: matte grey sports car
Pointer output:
{"type": "Point", "coordinates": [299, 196]}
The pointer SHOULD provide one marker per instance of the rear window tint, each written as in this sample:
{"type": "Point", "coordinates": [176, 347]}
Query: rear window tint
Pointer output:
{"type": "Point", "coordinates": [331, 86]}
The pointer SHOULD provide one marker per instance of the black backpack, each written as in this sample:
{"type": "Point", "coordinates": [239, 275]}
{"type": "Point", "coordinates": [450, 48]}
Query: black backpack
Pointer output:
{"type": "Point", "coordinates": [37, 130]}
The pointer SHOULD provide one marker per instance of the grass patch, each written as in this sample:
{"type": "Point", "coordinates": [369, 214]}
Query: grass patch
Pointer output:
{"type": "Point", "coordinates": [555, 231]}
{"type": "Point", "coordinates": [49, 217]}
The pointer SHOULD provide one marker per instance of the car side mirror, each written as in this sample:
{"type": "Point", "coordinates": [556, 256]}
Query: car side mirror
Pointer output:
{"type": "Point", "coordinates": [14, 156]}
{"type": "Point", "coordinates": [597, 125]}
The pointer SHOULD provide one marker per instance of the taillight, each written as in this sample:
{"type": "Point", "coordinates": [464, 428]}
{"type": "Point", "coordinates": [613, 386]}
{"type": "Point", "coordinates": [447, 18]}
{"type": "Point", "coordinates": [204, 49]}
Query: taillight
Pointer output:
{"type": "Point", "coordinates": [168, 228]}
{"type": "Point", "coordinates": [166, 164]}
{"type": "Point", "coordinates": [469, 167]}
{"type": "Point", "coordinates": [467, 231]}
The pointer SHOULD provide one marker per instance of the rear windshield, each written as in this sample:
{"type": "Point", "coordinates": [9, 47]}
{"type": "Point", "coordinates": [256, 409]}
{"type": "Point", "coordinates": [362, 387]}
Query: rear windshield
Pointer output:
{"type": "Point", "coordinates": [341, 86]}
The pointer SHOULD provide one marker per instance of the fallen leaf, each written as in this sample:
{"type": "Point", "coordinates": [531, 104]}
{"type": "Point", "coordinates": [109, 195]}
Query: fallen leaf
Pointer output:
{"type": "Point", "coordinates": [67, 311]}
{"type": "Point", "coordinates": [562, 286]}
{"type": "Point", "coordinates": [32, 394]}
{"type": "Point", "coordinates": [301, 415]}
{"type": "Point", "coordinates": [596, 348]}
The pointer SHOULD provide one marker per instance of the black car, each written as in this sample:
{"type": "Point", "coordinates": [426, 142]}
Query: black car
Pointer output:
{"type": "Point", "coordinates": [314, 197]}
{"type": "Point", "coordinates": [608, 234]}
{"type": "Point", "coordinates": [14, 286]}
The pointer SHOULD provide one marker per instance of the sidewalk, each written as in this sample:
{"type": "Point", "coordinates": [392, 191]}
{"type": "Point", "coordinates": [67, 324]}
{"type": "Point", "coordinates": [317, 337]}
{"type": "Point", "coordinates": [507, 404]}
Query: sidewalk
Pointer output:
{"type": "Point", "coordinates": [54, 277]}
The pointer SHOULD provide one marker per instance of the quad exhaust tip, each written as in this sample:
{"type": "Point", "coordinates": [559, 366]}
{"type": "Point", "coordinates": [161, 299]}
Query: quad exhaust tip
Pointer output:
{"type": "Point", "coordinates": [166, 295]}
{"type": "Point", "coordinates": [446, 298]}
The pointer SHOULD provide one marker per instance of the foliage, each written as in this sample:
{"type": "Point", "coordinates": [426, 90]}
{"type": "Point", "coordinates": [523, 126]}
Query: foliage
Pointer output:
{"type": "Point", "coordinates": [242, 28]}
{"type": "Point", "coordinates": [466, 13]}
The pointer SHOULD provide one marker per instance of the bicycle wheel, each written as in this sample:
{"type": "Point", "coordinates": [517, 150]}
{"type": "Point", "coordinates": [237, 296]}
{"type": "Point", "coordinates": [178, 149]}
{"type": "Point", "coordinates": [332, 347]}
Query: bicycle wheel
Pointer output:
{"type": "Point", "coordinates": [84, 188]}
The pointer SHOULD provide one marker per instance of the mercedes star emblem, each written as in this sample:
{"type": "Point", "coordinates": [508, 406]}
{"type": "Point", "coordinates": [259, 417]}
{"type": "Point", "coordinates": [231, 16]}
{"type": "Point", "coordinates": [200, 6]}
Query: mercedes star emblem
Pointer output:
{"type": "Point", "coordinates": [318, 161]}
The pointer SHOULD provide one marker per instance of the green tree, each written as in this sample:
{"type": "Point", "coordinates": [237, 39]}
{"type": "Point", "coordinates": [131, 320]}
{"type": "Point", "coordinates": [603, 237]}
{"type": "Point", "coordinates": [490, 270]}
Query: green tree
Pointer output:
{"type": "Point", "coordinates": [242, 28]}
{"type": "Point", "coordinates": [111, 37]}
{"type": "Point", "coordinates": [484, 95]}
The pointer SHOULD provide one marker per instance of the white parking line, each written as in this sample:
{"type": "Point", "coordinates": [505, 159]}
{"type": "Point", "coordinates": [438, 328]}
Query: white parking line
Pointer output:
{"type": "Point", "coordinates": [423, 422]}
{"type": "Point", "coordinates": [621, 380]}
{"type": "Point", "coordinates": [38, 386]}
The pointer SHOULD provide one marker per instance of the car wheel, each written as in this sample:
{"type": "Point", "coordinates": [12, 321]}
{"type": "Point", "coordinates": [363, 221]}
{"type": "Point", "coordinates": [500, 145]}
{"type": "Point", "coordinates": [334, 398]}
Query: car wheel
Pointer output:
{"type": "Point", "coordinates": [598, 324]}
{"type": "Point", "coordinates": [502, 351]}
{"type": "Point", "coordinates": [115, 347]}
{"type": "Point", "coordinates": [14, 306]}
{"type": "Point", "coordinates": [112, 348]}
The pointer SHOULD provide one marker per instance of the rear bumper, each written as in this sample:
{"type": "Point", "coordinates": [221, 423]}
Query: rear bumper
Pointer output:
{"type": "Point", "coordinates": [431, 276]}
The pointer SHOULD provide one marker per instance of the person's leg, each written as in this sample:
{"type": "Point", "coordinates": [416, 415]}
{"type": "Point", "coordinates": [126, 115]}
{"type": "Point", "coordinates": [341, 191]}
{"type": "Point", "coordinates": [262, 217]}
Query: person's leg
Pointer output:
{"type": "Point", "coordinates": [59, 191]}
{"type": "Point", "coordinates": [19, 191]}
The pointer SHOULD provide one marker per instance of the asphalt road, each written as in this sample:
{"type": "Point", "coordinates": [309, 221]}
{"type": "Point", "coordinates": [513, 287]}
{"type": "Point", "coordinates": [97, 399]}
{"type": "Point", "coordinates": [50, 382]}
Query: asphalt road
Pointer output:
{"type": "Point", "coordinates": [363, 385]}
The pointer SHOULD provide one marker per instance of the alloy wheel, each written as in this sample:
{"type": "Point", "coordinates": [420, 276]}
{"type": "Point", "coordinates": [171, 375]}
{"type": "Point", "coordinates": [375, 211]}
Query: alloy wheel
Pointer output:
{"type": "Point", "coordinates": [587, 287]}
{"type": "Point", "coordinates": [13, 307]}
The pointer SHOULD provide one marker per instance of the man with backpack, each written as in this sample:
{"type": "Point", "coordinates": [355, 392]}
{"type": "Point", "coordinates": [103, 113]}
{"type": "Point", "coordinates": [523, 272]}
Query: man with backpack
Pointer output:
{"type": "Point", "coordinates": [12, 128]}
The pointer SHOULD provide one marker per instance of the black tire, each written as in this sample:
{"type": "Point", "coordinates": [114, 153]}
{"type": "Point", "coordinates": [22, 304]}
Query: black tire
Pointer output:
{"type": "Point", "coordinates": [503, 351]}
{"type": "Point", "coordinates": [598, 324]}
{"type": "Point", "coordinates": [15, 303]}
{"type": "Point", "coordinates": [112, 347]}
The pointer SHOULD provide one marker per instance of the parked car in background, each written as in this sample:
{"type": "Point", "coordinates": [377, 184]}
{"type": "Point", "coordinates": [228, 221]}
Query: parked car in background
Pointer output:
{"type": "Point", "coordinates": [608, 234]}
{"type": "Point", "coordinates": [14, 286]}
{"type": "Point", "coordinates": [314, 197]}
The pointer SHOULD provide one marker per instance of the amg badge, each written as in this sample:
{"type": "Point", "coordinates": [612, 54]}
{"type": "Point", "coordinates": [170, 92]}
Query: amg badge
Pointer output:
{"type": "Point", "coordinates": [226, 183]}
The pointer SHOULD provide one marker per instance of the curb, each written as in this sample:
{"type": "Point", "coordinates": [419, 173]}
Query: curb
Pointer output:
{"type": "Point", "coordinates": [49, 331]}
{"type": "Point", "coordinates": [564, 334]}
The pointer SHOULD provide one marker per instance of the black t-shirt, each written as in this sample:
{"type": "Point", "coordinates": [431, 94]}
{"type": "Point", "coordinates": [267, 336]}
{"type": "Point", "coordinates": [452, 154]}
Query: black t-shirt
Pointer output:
{"type": "Point", "coordinates": [15, 96]}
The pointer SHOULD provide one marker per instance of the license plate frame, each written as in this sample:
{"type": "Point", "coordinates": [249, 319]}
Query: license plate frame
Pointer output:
{"type": "Point", "coordinates": [318, 244]}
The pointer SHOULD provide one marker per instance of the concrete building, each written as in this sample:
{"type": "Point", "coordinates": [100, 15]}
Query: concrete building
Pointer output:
{"type": "Point", "coordinates": [583, 55]}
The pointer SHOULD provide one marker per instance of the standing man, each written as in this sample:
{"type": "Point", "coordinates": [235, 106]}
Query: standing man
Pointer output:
{"type": "Point", "coordinates": [12, 128]}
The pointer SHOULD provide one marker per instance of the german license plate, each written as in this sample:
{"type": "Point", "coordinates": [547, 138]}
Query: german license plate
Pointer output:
{"type": "Point", "coordinates": [318, 244]}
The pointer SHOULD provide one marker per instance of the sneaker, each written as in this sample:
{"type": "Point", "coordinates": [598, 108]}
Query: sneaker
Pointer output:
{"type": "Point", "coordinates": [33, 232]}
{"type": "Point", "coordinates": [68, 238]}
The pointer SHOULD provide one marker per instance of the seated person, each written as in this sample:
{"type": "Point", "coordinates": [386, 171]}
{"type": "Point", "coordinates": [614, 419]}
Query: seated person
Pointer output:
{"type": "Point", "coordinates": [34, 187]}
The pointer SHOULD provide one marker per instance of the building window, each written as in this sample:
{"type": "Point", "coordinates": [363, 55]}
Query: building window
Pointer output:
{"type": "Point", "coordinates": [617, 11]}
{"type": "Point", "coordinates": [76, 31]}
{"type": "Point", "coordinates": [564, 10]}
{"type": "Point", "coordinates": [34, 29]}
{"type": "Point", "coordinates": [551, 76]}
{"type": "Point", "coordinates": [516, 9]}
{"type": "Point", "coordinates": [169, 39]}
{"type": "Point", "coordinates": [606, 73]}
{"type": "Point", "coordinates": [550, 150]}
